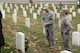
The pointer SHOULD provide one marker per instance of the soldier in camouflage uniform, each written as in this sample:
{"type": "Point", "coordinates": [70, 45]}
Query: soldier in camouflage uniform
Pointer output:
{"type": "Point", "coordinates": [47, 20]}
{"type": "Point", "coordinates": [65, 29]}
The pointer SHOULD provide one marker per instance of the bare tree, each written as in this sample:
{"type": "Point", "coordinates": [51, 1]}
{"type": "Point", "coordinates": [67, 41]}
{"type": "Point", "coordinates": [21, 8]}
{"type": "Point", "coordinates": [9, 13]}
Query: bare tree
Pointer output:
{"type": "Point", "coordinates": [30, 1]}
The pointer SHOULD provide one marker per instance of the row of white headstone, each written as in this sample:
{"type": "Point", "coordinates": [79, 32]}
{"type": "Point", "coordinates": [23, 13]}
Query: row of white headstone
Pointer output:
{"type": "Point", "coordinates": [35, 16]}
{"type": "Point", "coordinates": [54, 7]}
{"type": "Point", "coordinates": [14, 16]}
{"type": "Point", "coordinates": [41, 5]}
{"type": "Point", "coordinates": [38, 11]}
{"type": "Point", "coordinates": [27, 20]}
{"type": "Point", "coordinates": [76, 36]}
{"type": "Point", "coordinates": [21, 6]}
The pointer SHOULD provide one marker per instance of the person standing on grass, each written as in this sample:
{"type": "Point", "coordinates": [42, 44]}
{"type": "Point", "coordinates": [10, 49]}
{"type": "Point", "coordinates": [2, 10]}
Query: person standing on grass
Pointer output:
{"type": "Point", "coordinates": [1, 34]}
{"type": "Point", "coordinates": [60, 5]}
{"type": "Point", "coordinates": [65, 29]}
{"type": "Point", "coordinates": [48, 23]}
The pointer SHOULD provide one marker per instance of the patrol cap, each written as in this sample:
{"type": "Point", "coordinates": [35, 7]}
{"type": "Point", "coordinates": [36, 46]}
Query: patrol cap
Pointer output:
{"type": "Point", "coordinates": [64, 10]}
{"type": "Point", "coordinates": [46, 6]}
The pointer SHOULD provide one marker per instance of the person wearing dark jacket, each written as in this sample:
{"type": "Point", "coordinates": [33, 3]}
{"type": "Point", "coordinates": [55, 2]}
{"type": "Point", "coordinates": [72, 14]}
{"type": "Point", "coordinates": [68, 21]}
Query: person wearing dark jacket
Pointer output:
{"type": "Point", "coordinates": [2, 43]}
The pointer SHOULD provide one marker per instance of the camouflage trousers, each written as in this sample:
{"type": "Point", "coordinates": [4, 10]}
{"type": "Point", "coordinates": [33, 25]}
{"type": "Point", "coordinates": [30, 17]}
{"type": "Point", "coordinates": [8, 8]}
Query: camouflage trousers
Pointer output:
{"type": "Point", "coordinates": [66, 41]}
{"type": "Point", "coordinates": [50, 34]}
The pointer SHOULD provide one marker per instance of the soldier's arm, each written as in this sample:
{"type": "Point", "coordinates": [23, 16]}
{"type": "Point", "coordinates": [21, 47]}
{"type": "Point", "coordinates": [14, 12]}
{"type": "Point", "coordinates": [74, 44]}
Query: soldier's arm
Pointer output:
{"type": "Point", "coordinates": [68, 24]}
{"type": "Point", "coordinates": [51, 20]}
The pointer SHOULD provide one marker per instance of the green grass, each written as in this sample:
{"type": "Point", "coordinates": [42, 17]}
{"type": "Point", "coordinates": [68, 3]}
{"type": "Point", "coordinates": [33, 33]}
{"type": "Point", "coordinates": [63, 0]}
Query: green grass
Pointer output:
{"type": "Point", "coordinates": [36, 45]}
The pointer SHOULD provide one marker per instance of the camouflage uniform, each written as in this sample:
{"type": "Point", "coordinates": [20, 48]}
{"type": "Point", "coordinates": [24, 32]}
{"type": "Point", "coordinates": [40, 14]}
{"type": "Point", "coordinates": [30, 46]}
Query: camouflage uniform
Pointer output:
{"type": "Point", "coordinates": [47, 18]}
{"type": "Point", "coordinates": [66, 26]}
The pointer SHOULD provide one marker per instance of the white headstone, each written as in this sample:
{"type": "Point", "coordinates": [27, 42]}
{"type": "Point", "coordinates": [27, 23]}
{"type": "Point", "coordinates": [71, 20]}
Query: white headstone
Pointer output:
{"type": "Point", "coordinates": [39, 8]}
{"type": "Point", "coordinates": [1, 7]}
{"type": "Point", "coordinates": [55, 10]}
{"type": "Point", "coordinates": [21, 6]}
{"type": "Point", "coordinates": [3, 13]}
{"type": "Point", "coordinates": [73, 7]}
{"type": "Point", "coordinates": [17, 7]}
{"type": "Point", "coordinates": [14, 18]}
{"type": "Point", "coordinates": [54, 16]}
{"type": "Point", "coordinates": [27, 7]}
{"type": "Point", "coordinates": [8, 9]}
{"type": "Point", "coordinates": [65, 51]}
{"type": "Point", "coordinates": [38, 12]}
{"type": "Point", "coordinates": [78, 28]}
{"type": "Point", "coordinates": [76, 38]}
{"type": "Point", "coordinates": [74, 14]}
{"type": "Point", "coordinates": [44, 30]}
{"type": "Point", "coordinates": [20, 41]}
{"type": "Point", "coordinates": [24, 13]}
{"type": "Point", "coordinates": [15, 11]}
{"type": "Point", "coordinates": [11, 7]}
{"type": "Point", "coordinates": [66, 7]}
{"type": "Point", "coordinates": [79, 11]}
{"type": "Point", "coordinates": [27, 22]}
{"type": "Point", "coordinates": [70, 10]}
{"type": "Point", "coordinates": [29, 4]}
{"type": "Point", "coordinates": [6, 5]}
{"type": "Point", "coordinates": [57, 15]}
{"type": "Point", "coordinates": [59, 23]}
{"type": "Point", "coordinates": [52, 4]}
{"type": "Point", "coordinates": [35, 16]}
{"type": "Point", "coordinates": [30, 11]}
{"type": "Point", "coordinates": [70, 17]}
{"type": "Point", "coordinates": [32, 7]}
{"type": "Point", "coordinates": [35, 5]}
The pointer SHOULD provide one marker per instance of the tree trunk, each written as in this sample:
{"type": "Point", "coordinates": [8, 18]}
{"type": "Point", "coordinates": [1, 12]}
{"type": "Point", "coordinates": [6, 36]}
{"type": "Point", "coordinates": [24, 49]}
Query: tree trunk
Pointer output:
{"type": "Point", "coordinates": [30, 1]}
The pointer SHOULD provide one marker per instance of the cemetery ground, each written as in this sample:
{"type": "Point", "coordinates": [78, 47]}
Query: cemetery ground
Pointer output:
{"type": "Point", "coordinates": [37, 40]}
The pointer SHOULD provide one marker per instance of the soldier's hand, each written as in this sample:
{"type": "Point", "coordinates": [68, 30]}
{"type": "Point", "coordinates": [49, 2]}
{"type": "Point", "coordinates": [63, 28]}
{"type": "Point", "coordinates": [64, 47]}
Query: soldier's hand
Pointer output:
{"type": "Point", "coordinates": [45, 24]}
{"type": "Point", "coordinates": [64, 32]}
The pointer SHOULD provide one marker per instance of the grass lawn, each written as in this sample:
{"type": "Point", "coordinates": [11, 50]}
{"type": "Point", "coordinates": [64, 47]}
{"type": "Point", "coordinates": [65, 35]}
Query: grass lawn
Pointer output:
{"type": "Point", "coordinates": [37, 39]}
